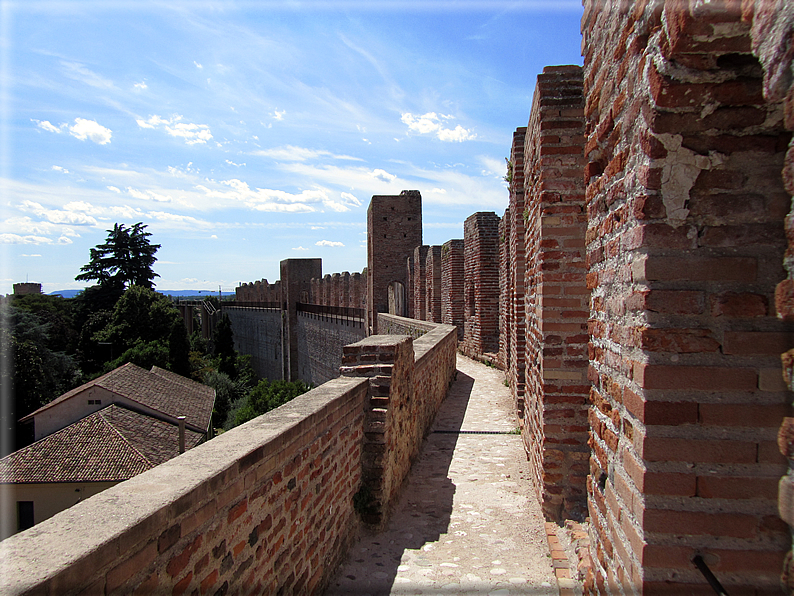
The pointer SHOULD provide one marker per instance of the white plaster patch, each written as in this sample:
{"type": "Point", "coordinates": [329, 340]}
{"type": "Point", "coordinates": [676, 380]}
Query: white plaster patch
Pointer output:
{"type": "Point", "coordinates": [681, 168]}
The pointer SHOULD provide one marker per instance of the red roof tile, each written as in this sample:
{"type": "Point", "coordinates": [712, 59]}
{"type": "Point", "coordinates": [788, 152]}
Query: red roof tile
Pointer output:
{"type": "Point", "coordinates": [110, 445]}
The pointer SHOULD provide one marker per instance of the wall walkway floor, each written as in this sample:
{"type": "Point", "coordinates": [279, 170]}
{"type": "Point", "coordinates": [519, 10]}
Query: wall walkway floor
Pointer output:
{"type": "Point", "coordinates": [467, 521]}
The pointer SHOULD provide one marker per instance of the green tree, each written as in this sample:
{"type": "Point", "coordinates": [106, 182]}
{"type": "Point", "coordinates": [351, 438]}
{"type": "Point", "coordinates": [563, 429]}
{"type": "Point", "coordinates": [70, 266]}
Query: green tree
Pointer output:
{"type": "Point", "coordinates": [264, 397]}
{"type": "Point", "coordinates": [223, 347]}
{"type": "Point", "coordinates": [125, 258]}
{"type": "Point", "coordinates": [145, 328]}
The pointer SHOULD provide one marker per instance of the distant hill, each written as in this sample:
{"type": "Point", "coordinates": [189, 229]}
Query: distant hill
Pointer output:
{"type": "Point", "coordinates": [177, 293]}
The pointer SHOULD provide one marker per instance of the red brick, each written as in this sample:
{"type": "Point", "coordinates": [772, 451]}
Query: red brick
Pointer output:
{"type": "Point", "coordinates": [748, 487]}
{"type": "Point", "coordinates": [734, 525]}
{"type": "Point", "coordinates": [740, 269]}
{"type": "Point", "coordinates": [753, 415]}
{"type": "Point", "coordinates": [699, 450]}
{"type": "Point", "coordinates": [757, 342]}
{"type": "Point", "coordinates": [739, 304]}
{"type": "Point", "coordinates": [697, 378]}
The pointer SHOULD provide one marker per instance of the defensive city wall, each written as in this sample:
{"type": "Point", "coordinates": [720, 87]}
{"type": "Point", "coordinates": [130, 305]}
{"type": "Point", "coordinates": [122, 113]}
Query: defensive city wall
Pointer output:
{"type": "Point", "coordinates": [638, 292]}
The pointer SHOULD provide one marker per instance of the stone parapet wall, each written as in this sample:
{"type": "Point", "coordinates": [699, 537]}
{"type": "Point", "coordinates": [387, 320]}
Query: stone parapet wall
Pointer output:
{"type": "Point", "coordinates": [321, 338]}
{"type": "Point", "coordinates": [257, 332]}
{"type": "Point", "coordinates": [685, 244]}
{"type": "Point", "coordinates": [258, 291]}
{"type": "Point", "coordinates": [267, 505]}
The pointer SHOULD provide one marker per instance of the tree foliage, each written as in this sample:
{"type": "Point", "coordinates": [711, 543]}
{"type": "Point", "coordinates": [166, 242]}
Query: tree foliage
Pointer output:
{"type": "Point", "coordinates": [126, 258]}
{"type": "Point", "coordinates": [266, 396]}
{"type": "Point", "coordinates": [145, 328]}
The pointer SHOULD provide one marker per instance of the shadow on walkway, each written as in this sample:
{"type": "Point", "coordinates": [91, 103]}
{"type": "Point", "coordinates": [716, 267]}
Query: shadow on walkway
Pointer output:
{"type": "Point", "coordinates": [462, 523]}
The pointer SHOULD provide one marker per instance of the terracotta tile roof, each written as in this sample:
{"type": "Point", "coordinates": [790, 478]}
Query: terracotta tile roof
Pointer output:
{"type": "Point", "coordinates": [110, 445]}
{"type": "Point", "coordinates": [158, 389]}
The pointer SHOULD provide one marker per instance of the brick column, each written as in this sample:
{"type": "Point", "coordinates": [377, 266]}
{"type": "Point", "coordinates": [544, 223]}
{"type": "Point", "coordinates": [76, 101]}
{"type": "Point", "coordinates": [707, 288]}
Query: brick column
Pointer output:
{"type": "Point", "coordinates": [433, 284]}
{"type": "Point", "coordinates": [388, 362]}
{"type": "Point", "coordinates": [419, 282]}
{"type": "Point", "coordinates": [481, 286]}
{"type": "Point", "coordinates": [452, 284]}
{"type": "Point", "coordinates": [296, 275]}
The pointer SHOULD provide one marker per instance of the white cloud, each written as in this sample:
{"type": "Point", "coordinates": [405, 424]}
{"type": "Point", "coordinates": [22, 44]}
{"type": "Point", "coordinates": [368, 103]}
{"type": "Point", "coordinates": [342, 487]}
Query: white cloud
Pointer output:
{"type": "Point", "coordinates": [89, 129]}
{"type": "Point", "coordinates": [351, 199]}
{"type": "Point", "coordinates": [148, 195]}
{"type": "Point", "coordinates": [142, 85]}
{"type": "Point", "coordinates": [383, 175]}
{"type": "Point", "coordinates": [231, 163]}
{"type": "Point", "coordinates": [45, 125]}
{"type": "Point", "coordinates": [64, 240]}
{"type": "Point", "coordinates": [17, 239]}
{"type": "Point", "coordinates": [78, 72]}
{"type": "Point", "coordinates": [29, 255]}
{"type": "Point", "coordinates": [439, 191]}
{"type": "Point", "coordinates": [292, 153]}
{"type": "Point", "coordinates": [214, 236]}
{"type": "Point", "coordinates": [278, 115]}
{"type": "Point", "coordinates": [432, 123]}
{"type": "Point", "coordinates": [60, 169]}
{"type": "Point", "coordinates": [114, 189]}
{"type": "Point", "coordinates": [328, 243]}
{"type": "Point", "coordinates": [300, 248]}
{"type": "Point", "coordinates": [199, 66]}
{"type": "Point", "coordinates": [264, 199]}
{"type": "Point", "coordinates": [58, 216]}
{"type": "Point", "coordinates": [191, 133]}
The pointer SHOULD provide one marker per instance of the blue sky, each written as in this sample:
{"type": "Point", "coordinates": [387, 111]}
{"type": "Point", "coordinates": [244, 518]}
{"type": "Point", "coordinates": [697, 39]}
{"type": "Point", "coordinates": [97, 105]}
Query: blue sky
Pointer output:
{"type": "Point", "coordinates": [245, 133]}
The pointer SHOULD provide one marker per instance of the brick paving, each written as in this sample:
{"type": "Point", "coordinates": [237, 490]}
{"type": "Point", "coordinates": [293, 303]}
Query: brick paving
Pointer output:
{"type": "Point", "coordinates": [467, 521]}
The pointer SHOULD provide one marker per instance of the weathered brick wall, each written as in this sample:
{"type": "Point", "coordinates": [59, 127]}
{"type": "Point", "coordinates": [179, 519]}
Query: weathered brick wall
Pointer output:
{"type": "Point", "coordinates": [321, 338]}
{"type": "Point", "coordinates": [481, 286]}
{"type": "Point", "coordinates": [408, 381]}
{"type": "Point", "coordinates": [394, 229]}
{"type": "Point", "coordinates": [419, 283]}
{"type": "Point", "coordinates": [267, 506]}
{"type": "Point", "coordinates": [557, 301]}
{"type": "Point", "coordinates": [505, 316]}
{"type": "Point", "coordinates": [257, 333]}
{"type": "Point", "coordinates": [772, 33]}
{"type": "Point", "coordinates": [685, 243]}
{"type": "Point", "coordinates": [433, 284]}
{"type": "Point", "coordinates": [452, 284]}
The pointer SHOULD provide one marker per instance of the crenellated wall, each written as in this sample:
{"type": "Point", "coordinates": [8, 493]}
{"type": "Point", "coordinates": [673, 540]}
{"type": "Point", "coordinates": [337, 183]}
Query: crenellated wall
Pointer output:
{"type": "Point", "coordinates": [271, 505]}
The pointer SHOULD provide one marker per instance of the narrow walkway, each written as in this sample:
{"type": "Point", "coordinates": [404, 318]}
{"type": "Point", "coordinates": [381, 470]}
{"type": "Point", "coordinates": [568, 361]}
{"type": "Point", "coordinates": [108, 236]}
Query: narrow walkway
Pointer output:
{"type": "Point", "coordinates": [467, 521]}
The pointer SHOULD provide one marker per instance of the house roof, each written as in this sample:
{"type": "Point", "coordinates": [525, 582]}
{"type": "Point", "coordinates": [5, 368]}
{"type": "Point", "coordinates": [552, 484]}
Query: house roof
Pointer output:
{"type": "Point", "coordinates": [158, 389]}
{"type": "Point", "coordinates": [110, 445]}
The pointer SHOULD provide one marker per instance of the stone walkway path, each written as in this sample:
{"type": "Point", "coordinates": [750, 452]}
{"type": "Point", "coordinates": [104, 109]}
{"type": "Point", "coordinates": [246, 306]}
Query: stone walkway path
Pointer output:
{"type": "Point", "coordinates": [467, 521]}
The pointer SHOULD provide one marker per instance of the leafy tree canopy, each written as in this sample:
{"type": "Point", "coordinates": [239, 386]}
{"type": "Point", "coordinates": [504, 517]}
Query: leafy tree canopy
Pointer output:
{"type": "Point", "coordinates": [266, 396]}
{"type": "Point", "coordinates": [126, 258]}
{"type": "Point", "coordinates": [145, 328]}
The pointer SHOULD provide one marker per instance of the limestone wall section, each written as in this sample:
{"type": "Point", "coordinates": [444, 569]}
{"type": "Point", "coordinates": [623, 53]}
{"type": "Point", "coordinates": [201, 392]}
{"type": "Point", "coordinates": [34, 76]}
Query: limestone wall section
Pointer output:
{"type": "Point", "coordinates": [257, 332]}
{"type": "Point", "coordinates": [321, 338]}
{"type": "Point", "coordinates": [685, 245]}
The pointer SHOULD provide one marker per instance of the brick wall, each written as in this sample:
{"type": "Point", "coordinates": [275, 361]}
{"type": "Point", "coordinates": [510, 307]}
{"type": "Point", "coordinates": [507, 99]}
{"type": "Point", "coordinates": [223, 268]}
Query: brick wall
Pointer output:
{"type": "Point", "coordinates": [408, 381]}
{"type": "Point", "coordinates": [772, 30]}
{"type": "Point", "coordinates": [267, 505]}
{"type": "Point", "coordinates": [419, 283]}
{"type": "Point", "coordinates": [557, 301]}
{"type": "Point", "coordinates": [685, 245]}
{"type": "Point", "coordinates": [481, 286]}
{"type": "Point", "coordinates": [394, 229]}
{"type": "Point", "coordinates": [512, 282]}
{"type": "Point", "coordinates": [452, 284]}
{"type": "Point", "coordinates": [433, 284]}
